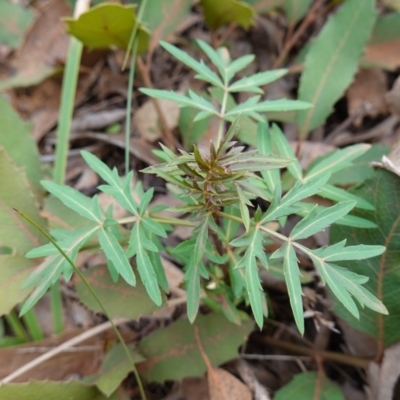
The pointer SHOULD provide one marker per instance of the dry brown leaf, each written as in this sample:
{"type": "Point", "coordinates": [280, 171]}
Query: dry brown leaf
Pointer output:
{"type": "Point", "coordinates": [249, 377]}
{"type": "Point", "coordinates": [386, 53]}
{"type": "Point", "coordinates": [368, 92]}
{"type": "Point", "coordinates": [221, 384]}
{"type": "Point", "coordinates": [45, 46]}
{"type": "Point", "coordinates": [224, 386]}
{"type": "Point", "coordinates": [383, 378]}
{"type": "Point", "coordinates": [147, 122]}
{"type": "Point", "coordinates": [393, 98]}
{"type": "Point", "coordinates": [391, 162]}
{"type": "Point", "coordinates": [81, 360]}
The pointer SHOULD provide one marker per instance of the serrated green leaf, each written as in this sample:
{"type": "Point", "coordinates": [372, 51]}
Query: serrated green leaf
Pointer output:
{"type": "Point", "coordinates": [114, 369]}
{"type": "Point", "coordinates": [304, 208]}
{"type": "Point", "coordinates": [191, 130]}
{"type": "Point", "coordinates": [316, 222]}
{"type": "Point", "coordinates": [148, 275]}
{"type": "Point", "coordinates": [15, 269]}
{"type": "Point", "coordinates": [192, 278]}
{"type": "Point", "coordinates": [306, 384]}
{"type": "Point", "coordinates": [292, 277]}
{"type": "Point", "coordinates": [222, 12]}
{"type": "Point", "coordinates": [114, 295]}
{"type": "Point", "coordinates": [360, 169]}
{"type": "Point", "coordinates": [114, 252]}
{"type": "Point", "coordinates": [337, 194]}
{"type": "Point", "coordinates": [16, 233]}
{"type": "Point", "coordinates": [106, 25]}
{"type": "Point", "coordinates": [21, 148]}
{"type": "Point", "coordinates": [239, 64]}
{"type": "Point", "coordinates": [172, 353]}
{"type": "Point", "coordinates": [215, 58]}
{"type": "Point", "coordinates": [281, 207]}
{"type": "Point", "coordinates": [252, 83]}
{"type": "Point", "coordinates": [382, 191]}
{"type": "Point", "coordinates": [244, 211]}
{"type": "Point", "coordinates": [154, 227]}
{"type": "Point", "coordinates": [284, 148]}
{"type": "Point", "coordinates": [340, 253]}
{"type": "Point", "coordinates": [203, 72]}
{"type": "Point", "coordinates": [73, 199]}
{"type": "Point", "coordinates": [335, 283]}
{"type": "Point", "coordinates": [251, 106]}
{"type": "Point", "coordinates": [332, 61]}
{"type": "Point", "coordinates": [183, 101]}
{"type": "Point", "coordinates": [264, 146]}
{"type": "Point", "coordinates": [336, 161]}
{"type": "Point", "coordinates": [254, 290]}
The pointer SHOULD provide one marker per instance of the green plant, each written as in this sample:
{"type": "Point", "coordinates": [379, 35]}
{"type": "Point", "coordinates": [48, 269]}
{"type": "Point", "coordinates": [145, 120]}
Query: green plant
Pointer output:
{"type": "Point", "coordinates": [218, 190]}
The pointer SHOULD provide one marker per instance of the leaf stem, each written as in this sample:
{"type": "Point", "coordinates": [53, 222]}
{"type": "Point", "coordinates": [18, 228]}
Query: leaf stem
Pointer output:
{"type": "Point", "coordinates": [222, 114]}
{"type": "Point", "coordinates": [91, 290]}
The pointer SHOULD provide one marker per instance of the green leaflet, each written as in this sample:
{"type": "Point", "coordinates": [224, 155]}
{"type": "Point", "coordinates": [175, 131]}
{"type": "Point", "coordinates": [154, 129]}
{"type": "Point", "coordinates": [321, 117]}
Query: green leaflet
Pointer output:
{"type": "Point", "coordinates": [74, 200]}
{"type": "Point", "coordinates": [284, 148]}
{"type": "Point", "coordinates": [49, 271]}
{"type": "Point", "coordinates": [336, 161]}
{"type": "Point", "coordinates": [203, 72]}
{"type": "Point", "coordinates": [114, 252]}
{"type": "Point", "coordinates": [253, 82]}
{"type": "Point", "coordinates": [332, 61]}
{"type": "Point", "coordinates": [292, 276]}
{"type": "Point", "coordinates": [317, 221]}
{"type": "Point", "coordinates": [254, 250]}
{"type": "Point", "coordinates": [281, 207]}
{"type": "Point", "coordinates": [264, 145]}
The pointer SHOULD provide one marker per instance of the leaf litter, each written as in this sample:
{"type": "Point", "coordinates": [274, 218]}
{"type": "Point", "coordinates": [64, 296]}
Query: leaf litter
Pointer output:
{"type": "Point", "coordinates": [34, 70]}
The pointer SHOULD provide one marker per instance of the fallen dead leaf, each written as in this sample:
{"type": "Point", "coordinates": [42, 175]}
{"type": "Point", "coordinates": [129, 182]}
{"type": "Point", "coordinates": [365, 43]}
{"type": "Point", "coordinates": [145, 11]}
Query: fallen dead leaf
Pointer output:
{"type": "Point", "coordinates": [224, 386]}
{"type": "Point", "coordinates": [81, 360]}
{"type": "Point", "coordinates": [147, 122]}
{"type": "Point", "coordinates": [391, 162]}
{"type": "Point", "coordinates": [393, 98]}
{"type": "Point", "coordinates": [383, 378]}
{"type": "Point", "coordinates": [44, 49]}
{"type": "Point", "coordinates": [221, 384]}
{"type": "Point", "coordinates": [367, 91]}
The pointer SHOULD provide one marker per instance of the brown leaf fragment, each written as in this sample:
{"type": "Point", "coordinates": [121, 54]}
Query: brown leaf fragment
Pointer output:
{"type": "Point", "coordinates": [391, 162]}
{"type": "Point", "coordinates": [147, 122]}
{"type": "Point", "coordinates": [383, 378]}
{"type": "Point", "coordinates": [368, 92]}
{"type": "Point", "coordinates": [44, 48]}
{"type": "Point", "coordinates": [393, 98]}
{"type": "Point", "coordinates": [221, 384]}
{"type": "Point", "coordinates": [79, 360]}
{"type": "Point", "coordinates": [224, 386]}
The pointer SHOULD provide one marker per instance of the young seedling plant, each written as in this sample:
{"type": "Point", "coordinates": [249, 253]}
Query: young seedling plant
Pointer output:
{"type": "Point", "coordinates": [220, 191]}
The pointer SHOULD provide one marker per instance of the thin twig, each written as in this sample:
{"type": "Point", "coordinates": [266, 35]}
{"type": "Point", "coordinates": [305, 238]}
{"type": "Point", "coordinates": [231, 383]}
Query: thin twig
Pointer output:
{"type": "Point", "coordinates": [63, 347]}
{"type": "Point", "coordinates": [292, 40]}
{"type": "Point", "coordinates": [144, 72]}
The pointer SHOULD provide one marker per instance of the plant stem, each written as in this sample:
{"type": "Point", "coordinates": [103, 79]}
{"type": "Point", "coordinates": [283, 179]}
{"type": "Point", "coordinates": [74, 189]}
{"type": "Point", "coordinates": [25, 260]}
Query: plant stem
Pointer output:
{"type": "Point", "coordinates": [32, 325]}
{"type": "Point", "coordinates": [222, 114]}
{"type": "Point", "coordinates": [314, 353]}
{"type": "Point", "coordinates": [68, 91]}
{"type": "Point", "coordinates": [129, 106]}
{"type": "Point", "coordinates": [16, 325]}
{"type": "Point", "coordinates": [91, 290]}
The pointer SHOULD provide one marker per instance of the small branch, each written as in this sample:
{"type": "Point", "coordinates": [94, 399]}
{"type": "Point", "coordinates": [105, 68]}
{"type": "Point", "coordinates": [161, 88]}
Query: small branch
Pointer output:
{"type": "Point", "coordinates": [312, 15]}
{"type": "Point", "coordinates": [318, 354]}
{"type": "Point", "coordinates": [63, 347]}
{"type": "Point", "coordinates": [144, 72]}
